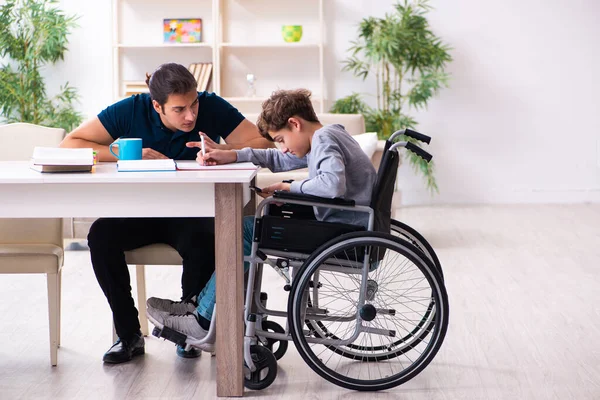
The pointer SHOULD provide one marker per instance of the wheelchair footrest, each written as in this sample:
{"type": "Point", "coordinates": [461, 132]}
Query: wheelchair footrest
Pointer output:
{"type": "Point", "coordinates": [170, 335]}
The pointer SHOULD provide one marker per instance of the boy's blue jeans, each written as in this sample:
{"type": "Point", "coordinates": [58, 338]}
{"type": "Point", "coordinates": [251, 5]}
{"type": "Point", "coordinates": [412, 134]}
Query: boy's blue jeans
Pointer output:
{"type": "Point", "coordinates": [207, 297]}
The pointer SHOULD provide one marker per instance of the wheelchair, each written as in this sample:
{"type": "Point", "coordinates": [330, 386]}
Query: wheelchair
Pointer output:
{"type": "Point", "coordinates": [367, 309]}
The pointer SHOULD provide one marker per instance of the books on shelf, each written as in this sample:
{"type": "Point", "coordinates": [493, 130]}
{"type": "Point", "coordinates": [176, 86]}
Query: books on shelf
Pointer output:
{"type": "Point", "coordinates": [203, 74]}
{"type": "Point", "coordinates": [193, 165]}
{"type": "Point", "coordinates": [54, 159]}
{"type": "Point", "coordinates": [145, 165]}
{"type": "Point", "coordinates": [135, 87]}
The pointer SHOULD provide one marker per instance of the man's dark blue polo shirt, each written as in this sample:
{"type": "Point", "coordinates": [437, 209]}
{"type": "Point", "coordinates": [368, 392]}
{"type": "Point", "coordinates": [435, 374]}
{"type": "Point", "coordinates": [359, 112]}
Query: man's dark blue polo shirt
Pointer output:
{"type": "Point", "coordinates": [135, 117]}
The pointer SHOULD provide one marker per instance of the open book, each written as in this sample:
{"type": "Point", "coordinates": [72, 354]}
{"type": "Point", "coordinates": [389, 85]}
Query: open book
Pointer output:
{"type": "Point", "coordinates": [145, 165]}
{"type": "Point", "coordinates": [54, 159]}
{"type": "Point", "coordinates": [193, 165]}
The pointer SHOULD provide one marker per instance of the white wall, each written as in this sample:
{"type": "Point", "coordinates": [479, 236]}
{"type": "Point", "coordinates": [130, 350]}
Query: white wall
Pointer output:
{"type": "Point", "coordinates": [520, 122]}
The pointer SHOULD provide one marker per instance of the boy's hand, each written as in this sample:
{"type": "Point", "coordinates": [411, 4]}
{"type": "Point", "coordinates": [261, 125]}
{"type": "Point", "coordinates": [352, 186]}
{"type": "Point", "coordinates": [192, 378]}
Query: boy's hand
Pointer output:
{"type": "Point", "coordinates": [217, 157]}
{"type": "Point", "coordinates": [150, 154]}
{"type": "Point", "coordinates": [283, 186]}
{"type": "Point", "coordinates": [209, 144]}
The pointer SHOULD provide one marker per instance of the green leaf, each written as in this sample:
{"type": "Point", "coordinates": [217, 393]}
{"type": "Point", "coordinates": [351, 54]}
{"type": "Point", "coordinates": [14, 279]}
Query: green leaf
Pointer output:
{"type": "Point", "coordinates": [425, 87]}
{"type": "Point", "coordinates": [351, 104]}
{"type": "Point", "coordinates": [34, 33]}
{"type": "Point", "coordinates": [403, 44]}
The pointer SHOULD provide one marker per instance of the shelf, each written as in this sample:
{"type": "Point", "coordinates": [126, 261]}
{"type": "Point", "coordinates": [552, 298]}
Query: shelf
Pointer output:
{"type": "Point", "coordinates": [257, 99]}
{"type": "Point", "coordinates": [237, 39]}
{"type": "Point", "coordinates": [161, 45]}
{"type": "Point", "coordinates": [245, 99]}
{"type": "Point", "coordinates": [271, 46]}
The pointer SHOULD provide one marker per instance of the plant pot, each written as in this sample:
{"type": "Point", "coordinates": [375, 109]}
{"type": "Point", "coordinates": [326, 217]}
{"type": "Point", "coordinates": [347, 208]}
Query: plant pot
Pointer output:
{"type": "Point", "coordinates": [291, 33]}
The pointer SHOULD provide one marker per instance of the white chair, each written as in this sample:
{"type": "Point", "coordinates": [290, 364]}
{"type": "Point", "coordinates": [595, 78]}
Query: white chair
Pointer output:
{"type": "Point", "coordinates": [33, 245]}
{"type": "Point", "coordinates": [157, 254]}
{"type": "Point", "coordinates": [154, 254]}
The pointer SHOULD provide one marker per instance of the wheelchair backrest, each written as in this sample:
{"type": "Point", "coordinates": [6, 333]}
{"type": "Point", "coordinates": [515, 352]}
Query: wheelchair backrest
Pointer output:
{"type": "Point", "coordinates": [381, 199]}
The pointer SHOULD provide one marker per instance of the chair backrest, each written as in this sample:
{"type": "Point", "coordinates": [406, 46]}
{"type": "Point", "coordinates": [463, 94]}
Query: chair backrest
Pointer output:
{"type": "Point", "coordinates": [16, 144]}
{"type": "Point", "coordinates": [18, 140]}
{"type": "Point", "coordinates": [381, 199]}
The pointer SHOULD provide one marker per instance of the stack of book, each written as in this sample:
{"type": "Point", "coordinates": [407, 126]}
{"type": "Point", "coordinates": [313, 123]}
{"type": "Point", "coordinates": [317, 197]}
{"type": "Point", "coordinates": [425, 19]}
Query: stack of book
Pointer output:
{"type": "Point", "coordinates": [203, 74]}
{"type": "Point", "coordinates": [52, 159]}
{"type": "Point", "coordinates": [135, 87]}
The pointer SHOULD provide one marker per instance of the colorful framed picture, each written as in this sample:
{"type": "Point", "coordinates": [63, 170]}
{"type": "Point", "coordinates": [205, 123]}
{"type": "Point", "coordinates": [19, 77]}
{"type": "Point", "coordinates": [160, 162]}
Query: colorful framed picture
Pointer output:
{"type": "Point", "coordinates": [182, 30]}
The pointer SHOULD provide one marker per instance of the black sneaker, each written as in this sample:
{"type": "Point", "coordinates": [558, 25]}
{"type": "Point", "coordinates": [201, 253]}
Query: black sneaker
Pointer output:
{"type": "Point", "coordinates": [192, 353]}
{"type": "Point", "coordinates": [124, 350]}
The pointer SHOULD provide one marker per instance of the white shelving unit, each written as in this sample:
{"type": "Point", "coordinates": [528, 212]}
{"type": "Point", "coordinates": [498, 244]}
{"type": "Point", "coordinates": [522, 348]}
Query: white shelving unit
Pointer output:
{"type": "Point", "coordinates": [240, 37]}
{"type": "Point", "coordinates": [137, 38]}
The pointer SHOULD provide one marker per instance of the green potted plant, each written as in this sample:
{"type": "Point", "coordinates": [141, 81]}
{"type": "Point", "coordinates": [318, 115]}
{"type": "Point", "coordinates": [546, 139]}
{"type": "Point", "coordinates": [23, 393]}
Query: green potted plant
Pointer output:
{"type": "Point", "coordinates": [33, 33]}
{"type": "Point", "coordinates": [408, 61]}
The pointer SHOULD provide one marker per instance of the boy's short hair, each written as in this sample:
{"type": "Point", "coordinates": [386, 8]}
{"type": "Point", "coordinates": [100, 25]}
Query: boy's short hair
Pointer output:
{"type": "Point", "coordinates": [281, 106]}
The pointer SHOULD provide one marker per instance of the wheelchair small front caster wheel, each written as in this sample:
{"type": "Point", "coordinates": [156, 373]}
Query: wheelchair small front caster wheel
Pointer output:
{"type": "Point", "coordinates": [280, 345]}
{"type": "Point", "coordinates": [266, 369]}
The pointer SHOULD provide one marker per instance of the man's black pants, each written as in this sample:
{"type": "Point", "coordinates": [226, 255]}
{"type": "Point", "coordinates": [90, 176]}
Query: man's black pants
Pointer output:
{"type": "Point", "coordinates": [109, 238]}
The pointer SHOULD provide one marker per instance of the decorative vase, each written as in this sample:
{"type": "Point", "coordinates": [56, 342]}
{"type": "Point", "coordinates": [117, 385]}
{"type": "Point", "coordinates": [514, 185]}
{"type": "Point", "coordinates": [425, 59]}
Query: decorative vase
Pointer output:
{"type": "Point", "coordinates": [251, 80]}
{"type": "Point", "coordinates": [291, 33]}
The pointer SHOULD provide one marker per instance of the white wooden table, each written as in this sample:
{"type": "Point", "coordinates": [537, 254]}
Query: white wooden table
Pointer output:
{"type": "Point", "coordinates": [25, 193]}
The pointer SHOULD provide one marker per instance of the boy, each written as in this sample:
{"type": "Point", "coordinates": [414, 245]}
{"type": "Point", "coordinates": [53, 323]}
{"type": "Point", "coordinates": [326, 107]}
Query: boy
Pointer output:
{"type": "Point", "coordinates": [337, 168]}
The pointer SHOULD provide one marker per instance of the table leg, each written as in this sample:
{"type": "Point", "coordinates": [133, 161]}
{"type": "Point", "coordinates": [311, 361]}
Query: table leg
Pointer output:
{"type": "Point", "coordinates": [230, 289]}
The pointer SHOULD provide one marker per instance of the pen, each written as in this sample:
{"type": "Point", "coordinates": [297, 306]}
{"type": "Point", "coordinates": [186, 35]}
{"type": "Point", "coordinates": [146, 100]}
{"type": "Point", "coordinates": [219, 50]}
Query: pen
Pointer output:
{"type": "Point", "coordinates": [202, 143]}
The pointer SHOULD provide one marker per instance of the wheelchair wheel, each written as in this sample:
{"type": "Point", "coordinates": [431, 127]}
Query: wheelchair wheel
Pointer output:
{"type": "Point", "coordinates": [407, 233]}
{"type": "Point", "coordinates": [376, 353]}
{"type": "Point", "coordinates": [362, 319]}
{"type": "Point", "coordinates": [266, 369]}
{"type": "Point", "coordinates": [279, 346]}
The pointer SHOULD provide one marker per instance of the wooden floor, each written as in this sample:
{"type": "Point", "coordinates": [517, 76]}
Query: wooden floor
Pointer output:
{"type": "Point", "coordinates": [524, 289]}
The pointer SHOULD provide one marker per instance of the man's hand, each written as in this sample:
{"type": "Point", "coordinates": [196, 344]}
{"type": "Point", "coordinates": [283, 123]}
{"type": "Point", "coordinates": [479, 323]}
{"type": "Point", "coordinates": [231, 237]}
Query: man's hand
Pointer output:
{"type": "Point", "coordinates": [91, 134]}
{"type": "Point", "coordinates": [150, 154]}
{"type": "Point", "coordinates": [217, 157]}
{"type": "Point", "coordinates": [209, 144]}
{"type": "Point", "coordinates": [283, 186]}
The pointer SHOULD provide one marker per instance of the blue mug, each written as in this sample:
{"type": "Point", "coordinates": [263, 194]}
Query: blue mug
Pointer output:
{"type": "Point", "coordinates": [129, 148]}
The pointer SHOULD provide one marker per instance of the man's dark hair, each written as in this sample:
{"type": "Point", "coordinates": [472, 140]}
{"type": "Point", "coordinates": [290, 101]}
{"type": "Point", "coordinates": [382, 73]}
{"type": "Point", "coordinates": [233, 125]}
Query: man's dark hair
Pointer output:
{"type": "Point", "coordinates": [281, 106]}
{"type": "Point", "coordinates": [168, 79]}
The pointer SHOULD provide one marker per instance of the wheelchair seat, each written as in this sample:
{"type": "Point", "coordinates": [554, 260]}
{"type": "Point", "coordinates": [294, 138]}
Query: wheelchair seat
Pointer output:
{"type": "Point", "coordinates": [298, 235]}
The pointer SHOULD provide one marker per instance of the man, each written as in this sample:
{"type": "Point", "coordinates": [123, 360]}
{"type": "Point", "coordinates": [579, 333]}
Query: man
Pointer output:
{"type": "Point", "coordinates": [172, 115]}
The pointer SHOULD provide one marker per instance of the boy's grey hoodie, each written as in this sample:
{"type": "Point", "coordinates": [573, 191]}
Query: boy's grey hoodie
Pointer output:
{"type": "Point", "coordinates": [337, 167]}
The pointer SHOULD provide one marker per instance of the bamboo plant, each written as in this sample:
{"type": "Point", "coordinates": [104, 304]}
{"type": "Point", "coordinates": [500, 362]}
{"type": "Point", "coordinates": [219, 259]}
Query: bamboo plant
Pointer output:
{"type": "Point", "coordinates": [408, 62]}
{"type": "Point", "coordinates": [33, 33]}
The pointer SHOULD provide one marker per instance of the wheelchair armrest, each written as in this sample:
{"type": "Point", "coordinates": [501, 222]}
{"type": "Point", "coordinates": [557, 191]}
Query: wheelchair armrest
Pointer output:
{"type": "Point", "coordinates": [279, 194]}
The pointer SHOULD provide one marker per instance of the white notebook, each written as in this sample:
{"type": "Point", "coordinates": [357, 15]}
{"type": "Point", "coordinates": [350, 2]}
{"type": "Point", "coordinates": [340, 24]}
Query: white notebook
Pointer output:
{"type": "Point", "coordinates": [60, 156]}
{"type": "Point", "coordinates": [193, 165]}
{"type": "Point", "coordinates": [145, 165]}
